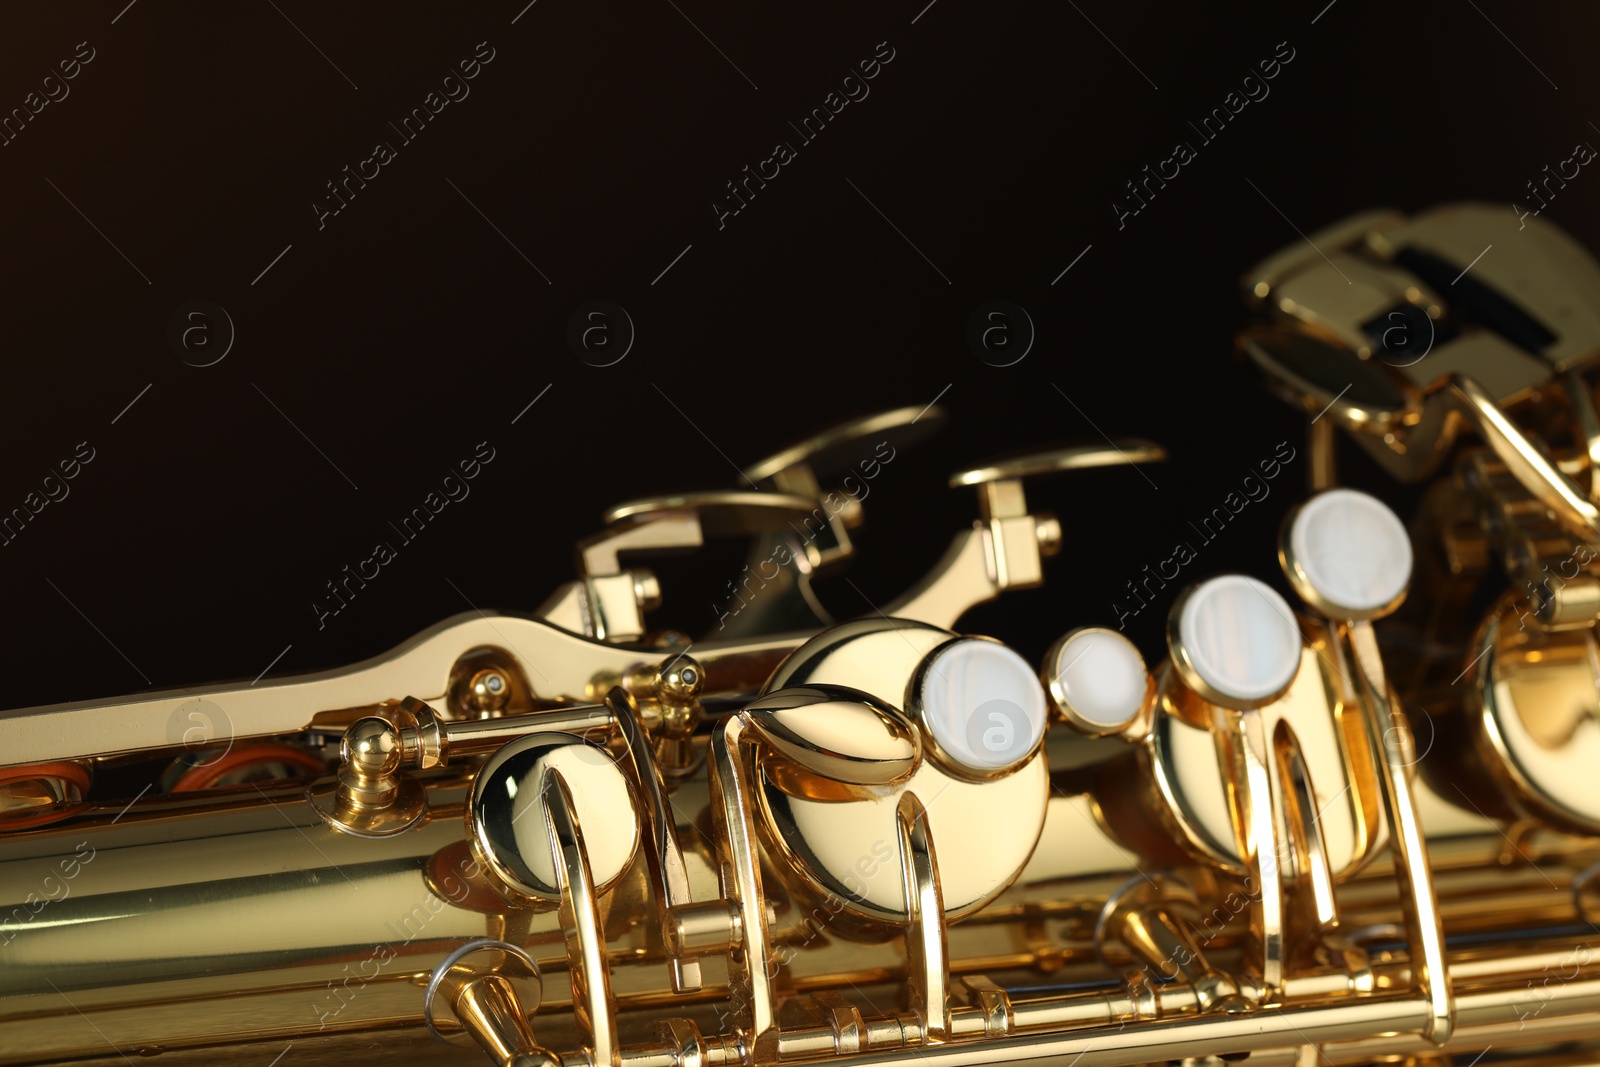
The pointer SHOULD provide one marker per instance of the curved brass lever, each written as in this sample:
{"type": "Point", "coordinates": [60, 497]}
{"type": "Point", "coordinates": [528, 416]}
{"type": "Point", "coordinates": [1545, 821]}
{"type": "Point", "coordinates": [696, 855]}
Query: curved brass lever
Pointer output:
{"type": "Point", "coordinates": [833, 469]}
{"type": "Point", "coordinates": [837, 448]}
{"type": "Point", "coordinates": [1149, 918]}
{"type": "Point", "coordinates": [608, 601]}
{"type": "Point", "coordinates": [742, 927]}
{"type": "Point", "coordinates": [1585, 425]}
{"type": "Point", "coordinates": [927, 954]}
{"type": "Point", "coordinates": [1349, 556]}
{"type": "Point", "coordinates": [662, 847]}
{"type": "Point", "coordinates": [719, 513]}
{"type": "Point", "coordinates": [582, 925]}
{"type": "Point", "coordinates": [1116, 452]}
{"type": "Point", "coordinates": [818, 740]}
{"type": "Point", "coordinates": [832, 743]}
{"type": "Point", "coordinates": [1236, 644]}
{"type": "Point", "coordinates": [1005, 548]}
{"type": "Point", "coordinates": [1462, 397]}
{"type": "Point", "coordinates": [1410, 432]}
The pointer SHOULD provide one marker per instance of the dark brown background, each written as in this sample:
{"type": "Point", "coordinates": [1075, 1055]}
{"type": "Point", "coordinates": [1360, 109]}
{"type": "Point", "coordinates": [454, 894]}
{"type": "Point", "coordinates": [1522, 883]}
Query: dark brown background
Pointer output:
{"type": "Point", "coordinates": [408, 329]}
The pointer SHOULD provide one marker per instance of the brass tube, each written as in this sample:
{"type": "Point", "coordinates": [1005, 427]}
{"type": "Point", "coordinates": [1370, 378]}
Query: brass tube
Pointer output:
{"type": "Point", "coordinates": [208, 919]}
{"type": "Point", "coordinates": [1175, 1040]}
{"type": "Point", "coordinates": [468, 736]}
{"type": "Point", "coordinates": [1498, 1017]}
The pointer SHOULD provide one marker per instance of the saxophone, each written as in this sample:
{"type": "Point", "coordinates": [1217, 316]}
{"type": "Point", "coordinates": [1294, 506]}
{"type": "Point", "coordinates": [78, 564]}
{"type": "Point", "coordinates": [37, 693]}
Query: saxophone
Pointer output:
{"type": "Point", "coordinates": [1354, 825]}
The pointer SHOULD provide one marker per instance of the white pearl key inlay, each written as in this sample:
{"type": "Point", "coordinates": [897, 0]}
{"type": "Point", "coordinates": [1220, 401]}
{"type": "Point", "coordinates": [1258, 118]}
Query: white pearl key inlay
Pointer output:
{"type": "Point", "coordinates": [1351, 555]}
{"type": "Point", "coordinates": [982, 704]}
{"type": "Point", "coordinates": [1241, 640]}
{"type": "Point", "coordinates": [1100, 678]}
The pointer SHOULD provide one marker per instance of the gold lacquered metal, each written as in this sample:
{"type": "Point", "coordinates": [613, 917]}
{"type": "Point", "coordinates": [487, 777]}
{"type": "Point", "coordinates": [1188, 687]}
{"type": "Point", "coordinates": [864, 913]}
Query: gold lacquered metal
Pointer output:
{"type": "Point", "coordinates": [1554, 279]}
{"type": "Point", "coordinates": [1182, 659]}
{"type": "Point", "coordinates": [1127, 450]}
{"type": "Point", "coordinates": [927, 962]}
{"type": "Point", "coordinates": [1409, 410]}
{"type": "Point", "coordinates": [833, 470]}
{"type": "Point", "coordinates": [721, 513]}
{"type": "Point", "coordinates": [608, 601]}
{"type": "Point", "coordinates": [1536, 725]}
{"type": "Point", "coordinates": [1150, 919]}
{"type": "Point", "coordinates": [369, 797]}
{"type": "Point", "coordinates": [840, 447]}
{"type": "Point", "coordinates": [846, 853]}
{"type": "Point", "coordinates": [582, 926]}
{"type": "Point", "coordinates": [1313, 371]}
{"type": "Point", "coordinates": [1386, 744]}
{"type": "Point", "coordinates": [663, 849]}
{"type": "Point", "coordinates": [489, 988]}
{"type": "Point", "coordinates": [513, 783]}
{"type": "Point", "coordinates": [1006, 547]}
{"type": "Point", "coordinates": [733, 775]}
{"type": "Point", "coordinates": [1137, 726]}
{"type": "Point", "coordinates": [1418, 903]}
{"type": "Point", "coordinates": [833, 744]}
{"type": "Point", "coordinates": [566, 663]}
{"type": "Point", "coordinates": [747, 847]}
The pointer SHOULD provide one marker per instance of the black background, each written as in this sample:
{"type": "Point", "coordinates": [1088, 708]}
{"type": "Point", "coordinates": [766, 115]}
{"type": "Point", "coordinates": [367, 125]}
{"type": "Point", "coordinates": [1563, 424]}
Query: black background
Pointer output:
{"type": "Point", "coordinates": [408, 329]}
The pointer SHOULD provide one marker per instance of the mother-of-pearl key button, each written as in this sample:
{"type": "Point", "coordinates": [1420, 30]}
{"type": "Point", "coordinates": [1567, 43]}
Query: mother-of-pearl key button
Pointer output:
{"type": "Point", "coordinates": [1236, 641]}
{"type": "Point", "coordinates": [1098, 680]}
{"type": "Point", "coordinates": [982, 705]}
{"type": "Point", "coordinates": [508, 813]}
{"type": "Point", "coordinates": [1348, 555]}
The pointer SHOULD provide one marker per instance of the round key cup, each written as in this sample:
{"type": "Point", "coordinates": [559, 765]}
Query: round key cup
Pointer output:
{"type": "Point", "coordinates": [1235, 642]}
{"type": "Point", "coordinates": [1347, 555]}
{"type": "Point", "coordinates": [983, 708]}
{"type": "Point", "coordinates": [1098, 682]}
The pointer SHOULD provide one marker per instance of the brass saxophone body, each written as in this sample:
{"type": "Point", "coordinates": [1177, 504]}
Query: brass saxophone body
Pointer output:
{"type": "Point", "coordinates": [1360, 828]}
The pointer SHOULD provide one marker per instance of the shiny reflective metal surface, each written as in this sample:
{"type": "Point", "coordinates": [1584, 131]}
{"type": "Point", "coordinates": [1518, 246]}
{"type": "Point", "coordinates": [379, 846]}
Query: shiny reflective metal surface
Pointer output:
{"type": "Point", "coordinates": [512, 784]}
{"type": "Point", "coordinates": [1359, 829]}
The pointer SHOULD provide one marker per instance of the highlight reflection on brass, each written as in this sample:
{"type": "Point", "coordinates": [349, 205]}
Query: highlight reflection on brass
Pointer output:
{"type": "Point", "coordinates": [1367, 835]}
{"type": "Point", "coordinates": [1098, 683]}
{"type": "Point", "coordinates": [1536, 726]}
{"type": "Point", "coordinates": [831, 743]}
{"type": "Point", "coordinates": [1350, 555]}
{"type": "Point", "coordinates": [512, 784]}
